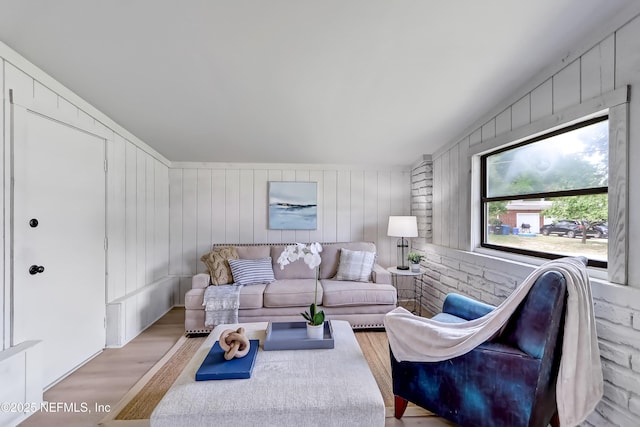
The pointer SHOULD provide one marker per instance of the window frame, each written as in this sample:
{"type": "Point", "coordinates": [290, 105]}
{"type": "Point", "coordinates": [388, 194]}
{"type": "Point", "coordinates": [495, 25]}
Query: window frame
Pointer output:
{"type": "Point", "coordinates": [484, 199]}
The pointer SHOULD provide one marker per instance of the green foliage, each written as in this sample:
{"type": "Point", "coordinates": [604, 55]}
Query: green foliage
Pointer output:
{"type": "Point", "coordinates": [496, 209]}
{"type": "Point", "coordinates": [591, 210]}
{"type": "Point", "coordinates": [415, 258]}
{"type": "Point", "coordinates": [569, 161]}
{"type": "Point", "coordinates": [313, 316]}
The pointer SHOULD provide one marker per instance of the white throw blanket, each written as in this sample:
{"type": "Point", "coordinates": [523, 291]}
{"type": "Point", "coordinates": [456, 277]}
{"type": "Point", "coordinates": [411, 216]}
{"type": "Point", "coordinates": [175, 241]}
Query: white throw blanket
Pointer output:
{"type": "Point", "coordinates": [580, 384]}
{"type": "Point", "coordinates": [221, 304]}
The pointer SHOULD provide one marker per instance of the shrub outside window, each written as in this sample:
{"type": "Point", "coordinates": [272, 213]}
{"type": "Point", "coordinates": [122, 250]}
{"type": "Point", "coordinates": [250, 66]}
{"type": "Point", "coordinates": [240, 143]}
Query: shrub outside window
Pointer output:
{"type": "Point", "coordinates": [547, 196]}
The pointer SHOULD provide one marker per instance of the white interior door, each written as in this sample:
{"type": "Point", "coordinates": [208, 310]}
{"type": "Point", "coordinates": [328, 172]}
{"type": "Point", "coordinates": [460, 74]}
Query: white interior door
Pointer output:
{"type": "Point", "coordinates": [59, 181]}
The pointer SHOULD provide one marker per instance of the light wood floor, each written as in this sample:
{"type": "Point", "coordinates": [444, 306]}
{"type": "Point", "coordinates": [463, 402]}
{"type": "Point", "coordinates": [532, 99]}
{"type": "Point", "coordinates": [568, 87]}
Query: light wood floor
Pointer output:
{"type": "Point", "coordinates": [104, 380]}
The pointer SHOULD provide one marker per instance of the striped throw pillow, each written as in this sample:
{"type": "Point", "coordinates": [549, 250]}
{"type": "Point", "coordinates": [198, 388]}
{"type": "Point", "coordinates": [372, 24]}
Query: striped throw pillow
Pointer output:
{"type": "Point", "coordinates": [252, 271]}
{"type": "Point", "coordinates": [355, 265]}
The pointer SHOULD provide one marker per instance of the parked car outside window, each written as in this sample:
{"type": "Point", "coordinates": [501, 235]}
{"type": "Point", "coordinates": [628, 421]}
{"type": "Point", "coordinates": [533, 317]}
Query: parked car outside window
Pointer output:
{"type": "Point", "coordinates": [565, 227]}
{"type": "Point", "coordinates": [571, 229]}
{"type": "Point", "coordinates": [600, 231]}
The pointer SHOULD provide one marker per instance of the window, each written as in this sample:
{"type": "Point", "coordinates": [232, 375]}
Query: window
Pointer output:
{"type": "Point", "coordinates": [547, 196]}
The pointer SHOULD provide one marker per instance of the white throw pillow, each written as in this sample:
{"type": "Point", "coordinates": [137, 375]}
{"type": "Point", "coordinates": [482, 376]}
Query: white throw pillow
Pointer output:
{"type": "Point", "coordinates": [355, 265]}
{"type": "Point", "coordinates": [251, 271]}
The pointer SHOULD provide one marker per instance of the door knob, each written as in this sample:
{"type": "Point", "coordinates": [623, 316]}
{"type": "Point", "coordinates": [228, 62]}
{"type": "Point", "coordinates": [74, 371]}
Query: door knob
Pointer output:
{"type": "Point", "coordinates": [33, 223]}
{"type": "Point", "coordinates": [35, 269]}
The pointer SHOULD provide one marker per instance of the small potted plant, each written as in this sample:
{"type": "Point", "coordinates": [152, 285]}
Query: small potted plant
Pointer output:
{"type": "Point", "coordinates": [311, 256]}
{"type": "Point", "coordinates": [414, 259]}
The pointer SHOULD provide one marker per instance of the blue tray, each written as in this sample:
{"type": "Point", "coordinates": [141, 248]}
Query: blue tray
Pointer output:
{"type": "Point", "coordinates": [215, 367]}
{"type": "Point", "coordinates": [293, 336]}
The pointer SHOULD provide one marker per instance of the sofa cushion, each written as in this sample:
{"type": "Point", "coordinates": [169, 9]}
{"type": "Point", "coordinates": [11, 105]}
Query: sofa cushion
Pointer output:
{"type": "Point", "coordinates": [218, 265]}
{"type": "Point", "coordinates": [251, 296]}
{"type": "Point", "coordinates": [331, 256]}
{"type": "Point", "coordinates": [253, 252]}
{"type": "Point", "coordinates": [291, 293]}
{"type": "Point", "coordinates": [252, 271]}
{"type": "Point", "coordinates": [296, 270]}
{"type": "Point", "coordinates": [355, 265]}
{"type": "Point", "coordinates": [343, 293]}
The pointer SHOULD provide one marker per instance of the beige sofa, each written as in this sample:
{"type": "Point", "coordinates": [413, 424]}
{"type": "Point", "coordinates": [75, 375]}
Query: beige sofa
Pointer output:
{"type": "Point", "coordinates": [362, 304]}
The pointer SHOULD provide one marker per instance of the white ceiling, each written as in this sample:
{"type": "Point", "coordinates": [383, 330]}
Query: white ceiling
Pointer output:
{"type": "Point", "coordinates": [297, 81]}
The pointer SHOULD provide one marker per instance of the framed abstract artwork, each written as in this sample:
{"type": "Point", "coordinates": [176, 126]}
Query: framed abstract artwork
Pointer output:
{"type": "Point", "coordinates": [293, 205]}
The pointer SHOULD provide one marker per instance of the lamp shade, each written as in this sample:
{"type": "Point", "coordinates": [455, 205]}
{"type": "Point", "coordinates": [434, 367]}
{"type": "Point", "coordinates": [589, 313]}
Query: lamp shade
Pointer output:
{"type": "Point", "coordinates": [403, 226]}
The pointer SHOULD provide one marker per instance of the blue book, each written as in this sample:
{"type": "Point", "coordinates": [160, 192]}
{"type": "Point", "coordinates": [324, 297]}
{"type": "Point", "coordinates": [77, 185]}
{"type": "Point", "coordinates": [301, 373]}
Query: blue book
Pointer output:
{"type": "Point", "coordinates": [215, 367]}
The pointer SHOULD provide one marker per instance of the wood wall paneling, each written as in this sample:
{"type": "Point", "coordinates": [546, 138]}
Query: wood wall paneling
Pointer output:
{"type": "Point", "coordinates": [566, 87]}
{"type": "Point", "coordinates": [131, 206]}
{"type": "Point", "coordinates": [141, 217]}
{"type": "Point", "coordinates": [175, 221]}
{"type": "Point", "coordinates": [45, 97]}
{"type": "Point", "coordinates": [445, 198]}
{"type": "Point", "coordinates": [352, 205]}
{"type": "Point", "coordinates": [246, 207]}
{"type": "Point", "coordinates": [67, 109]}
{"type": "Point", "coordinates": [383, 242]}
{"type": "Point", "coordinates": [218, 202]}
{"type": "Point", "coordinates": [596, 71]}
{"type": "Point", "coordinates": [503, 122]}
{"type": "Point", "coordinates": [454, 190]}
{"type": "Point", "coordinates": [357, 210]}
{"type": "Point", "coordinates": [627, 59]}
{"type": "Point", "coordinates": [329, 206]}
{"type": "Point", "coordinates": [150, 219]}
{"type": "Point", "coordinates": [85, 119]}
{"type": "Point", "coordinates": [260, 206]}
{"type": "Point", "coordinates": [274, 236]}
{"type": "Point", "coordinates": [521, 112]}
{"type": "Point", "coordinates": [464, 196]}
{"type": "Point", "coordinates": [161, 221]}
{"type": "Point", "coordinates": [317, 235]}
{"type": "Point", "coordinates": [343, 206]}
{"type": "Point", "coordinates": [542, 100]}
{"type": "Point", "coordinates": [232, 219]}
{"type": "Point", "coordinates": [203, 216]}
{"type": "Point", "coordinates": [371, 207]}
{"type": "Point", "coordinates": [618, 201]}
{"type": "Point", "coordinates": [476, 137]}
{"type": "Point", "coordinates": [489, 130]}
{"type": "Point", "coordinates": [20, 83]}
{"type": "Point", "coordinates": [190, 255]}
{"type": "Point", "coordinates": [117, 218]}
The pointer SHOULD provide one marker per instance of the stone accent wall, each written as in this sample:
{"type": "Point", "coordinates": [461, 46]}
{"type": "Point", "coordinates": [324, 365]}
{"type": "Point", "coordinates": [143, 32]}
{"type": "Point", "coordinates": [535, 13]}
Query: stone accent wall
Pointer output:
{"type": "Point", "coordinates": [422, 197]}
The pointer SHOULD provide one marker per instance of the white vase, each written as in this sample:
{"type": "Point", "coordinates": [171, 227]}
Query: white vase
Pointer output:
{"type": "Point", "coordinates": [315, 332]}
{"type": "Point", "coordinates": [415, 268]}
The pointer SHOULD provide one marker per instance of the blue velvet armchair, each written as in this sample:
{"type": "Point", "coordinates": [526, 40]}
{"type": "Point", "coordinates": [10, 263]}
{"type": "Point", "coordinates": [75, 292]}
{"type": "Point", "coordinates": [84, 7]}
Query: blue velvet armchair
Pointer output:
{"type": "Point", "coordinates": [508, 381]}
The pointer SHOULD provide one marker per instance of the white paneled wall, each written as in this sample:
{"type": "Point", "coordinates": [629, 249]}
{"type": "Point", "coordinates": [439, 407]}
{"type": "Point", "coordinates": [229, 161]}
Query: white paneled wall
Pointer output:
{"type": "Point", "coordinates": [138, 245]}
{"type": "Point", "coordinates": [588, 82]}
{"type": "Point", "coordinates": [581, 82]}
{"type": "Point", "coordinates": [138, 219]}
{"type": "Point", "coordinates": [137, 202]}
{"type": "Point", "coordinates": [212, 203]}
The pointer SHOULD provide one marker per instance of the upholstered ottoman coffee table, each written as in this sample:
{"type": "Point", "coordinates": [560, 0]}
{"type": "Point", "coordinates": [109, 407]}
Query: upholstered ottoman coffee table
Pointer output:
{"type": "Point", "coordinates": [330, 387]}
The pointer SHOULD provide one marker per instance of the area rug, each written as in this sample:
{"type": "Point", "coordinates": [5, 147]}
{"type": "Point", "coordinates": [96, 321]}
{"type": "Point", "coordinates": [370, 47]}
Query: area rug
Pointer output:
{"type": "Point", "coordinates": [139, 402]}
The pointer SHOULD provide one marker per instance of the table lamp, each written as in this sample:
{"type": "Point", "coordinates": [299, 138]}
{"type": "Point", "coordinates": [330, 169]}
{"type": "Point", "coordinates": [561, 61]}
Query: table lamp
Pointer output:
{"type": "Point", "coordinates": [402, 226]}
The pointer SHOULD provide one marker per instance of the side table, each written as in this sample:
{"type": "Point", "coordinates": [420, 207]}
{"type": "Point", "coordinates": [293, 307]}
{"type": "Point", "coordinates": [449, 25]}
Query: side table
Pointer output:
{"type": "Point", "coordinates": [404, 294]}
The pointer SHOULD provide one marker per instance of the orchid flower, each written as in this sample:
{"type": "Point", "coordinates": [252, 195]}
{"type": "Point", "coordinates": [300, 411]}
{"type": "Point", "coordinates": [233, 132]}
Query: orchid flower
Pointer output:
{"type": "Point", "coordinates": [311, 256]}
